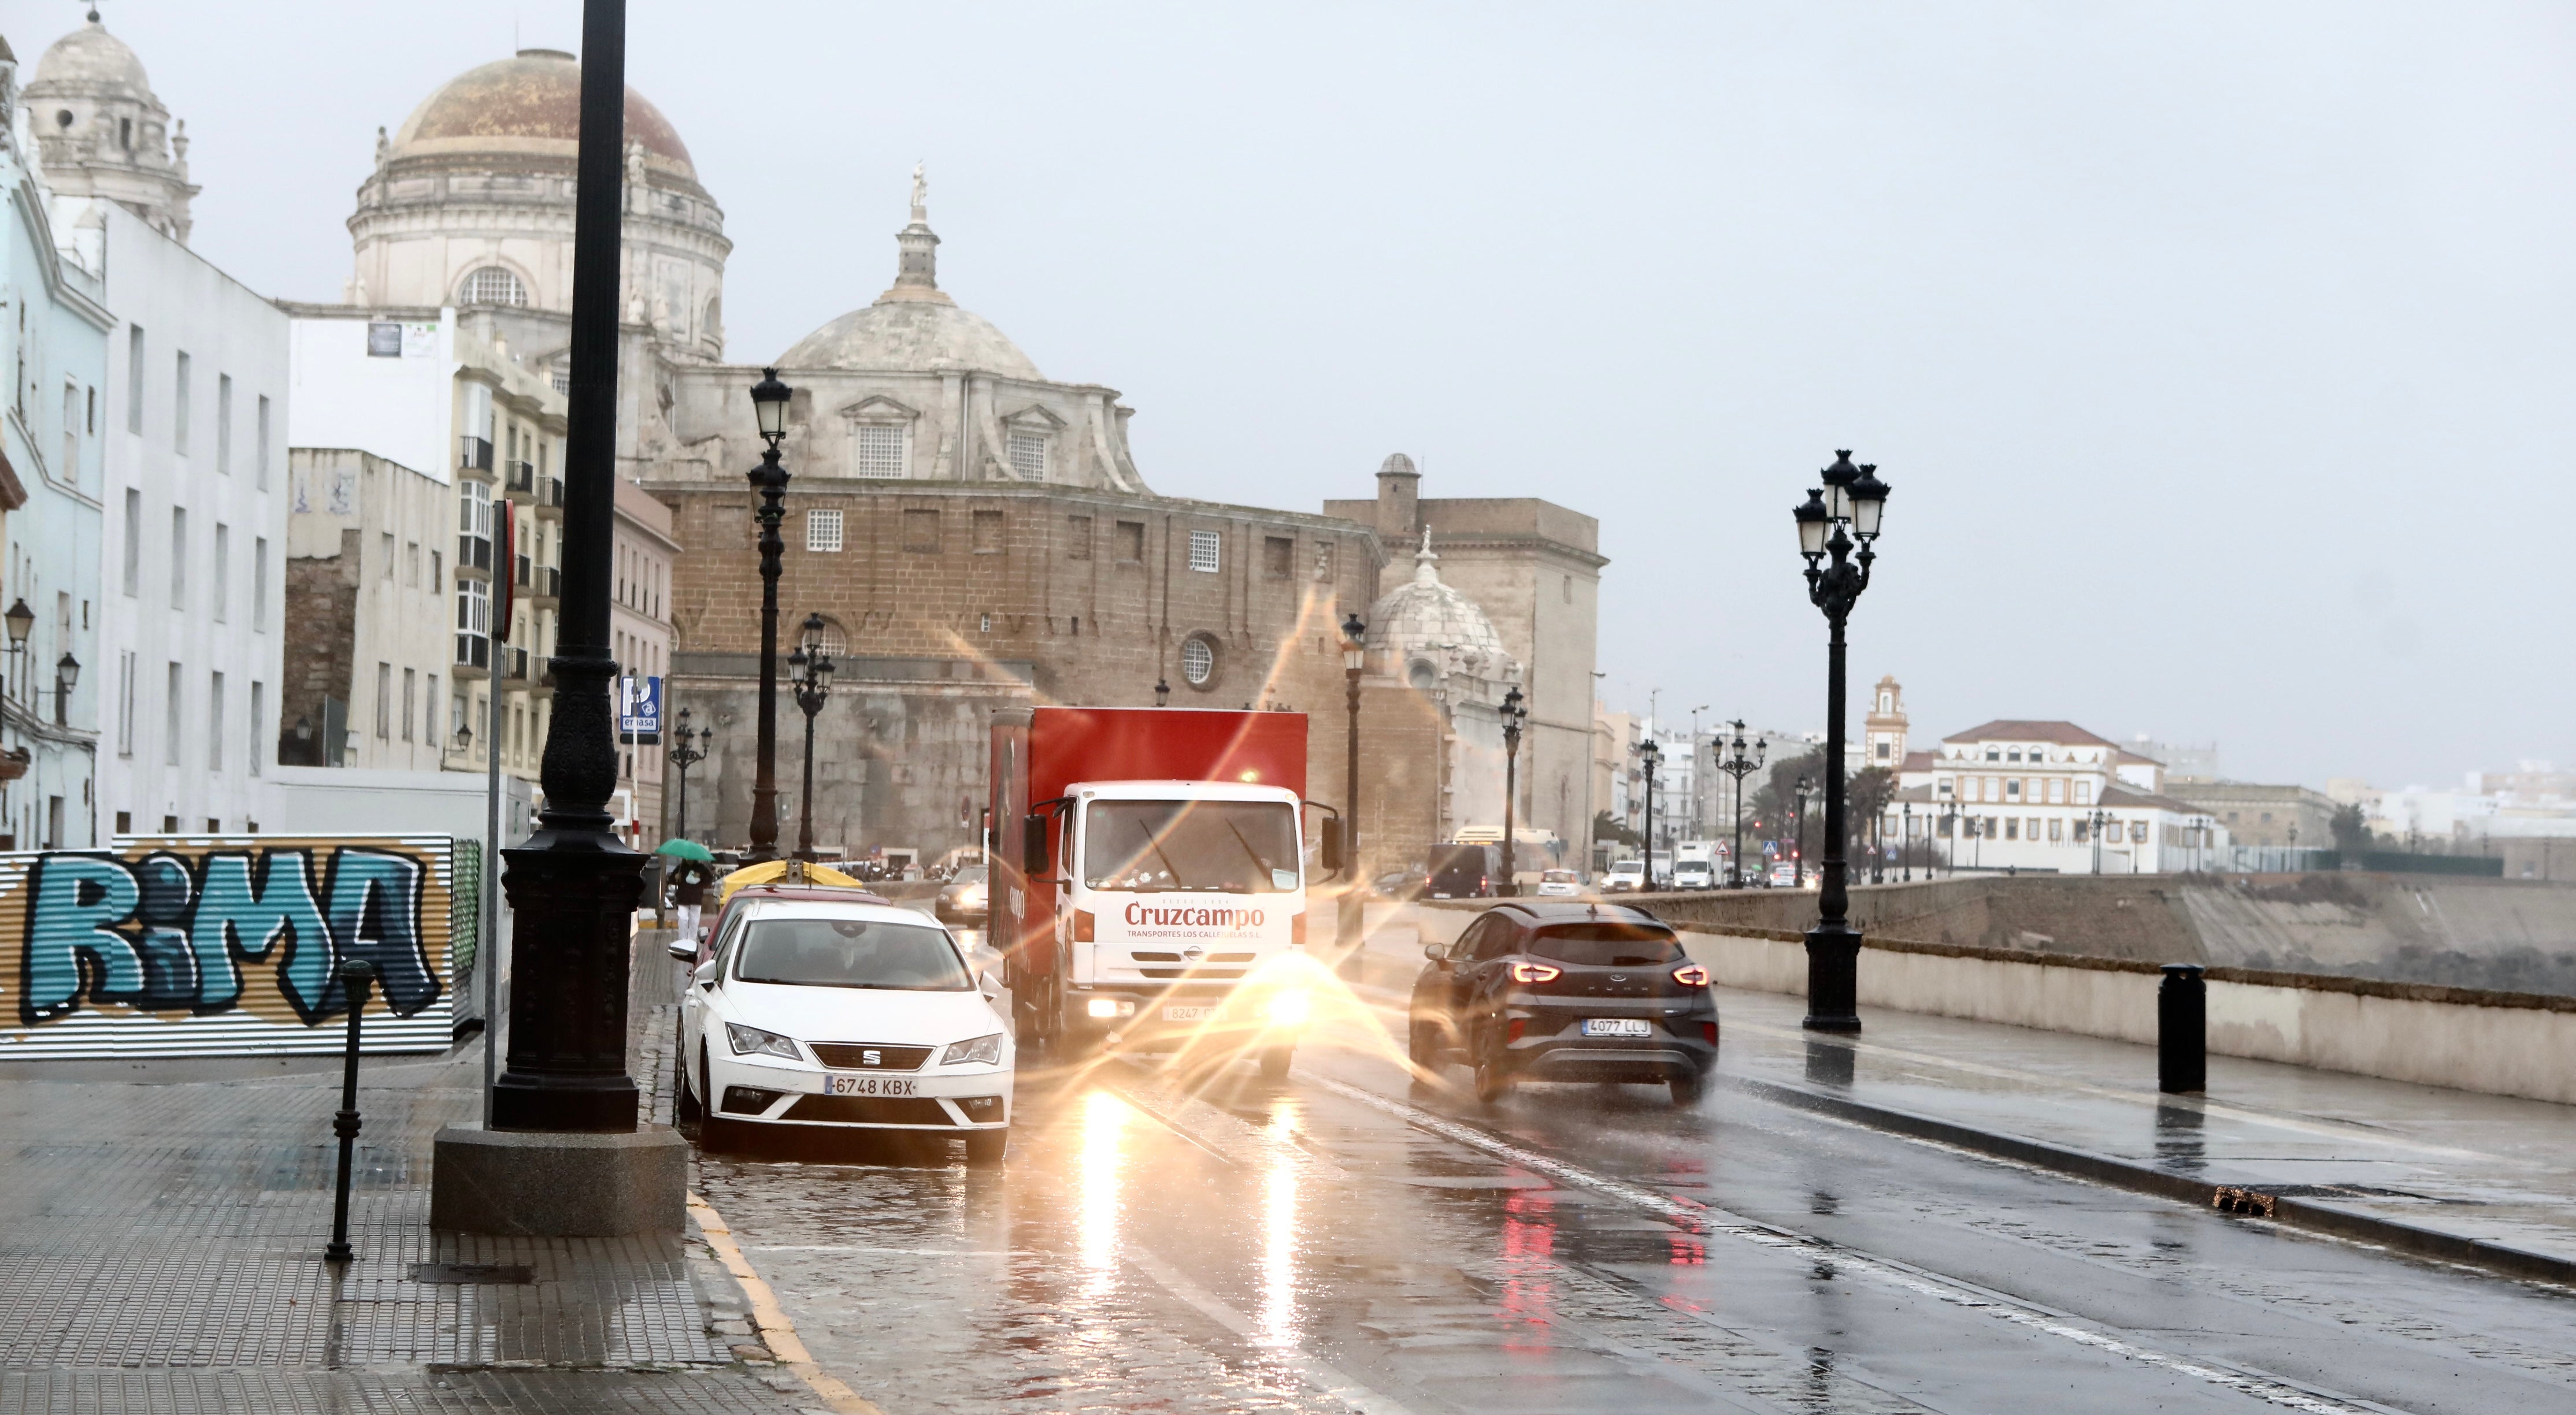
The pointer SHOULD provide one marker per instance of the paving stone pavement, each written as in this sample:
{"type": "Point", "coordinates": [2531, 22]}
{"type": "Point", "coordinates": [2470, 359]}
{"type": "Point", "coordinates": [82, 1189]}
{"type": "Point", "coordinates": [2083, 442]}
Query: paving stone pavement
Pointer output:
{"type": "Point", "coordinates": [161, 1228]}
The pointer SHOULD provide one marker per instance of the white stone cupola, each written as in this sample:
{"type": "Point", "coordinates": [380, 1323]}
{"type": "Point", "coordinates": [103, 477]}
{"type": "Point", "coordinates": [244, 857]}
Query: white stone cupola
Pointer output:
{"type": "Point", "coordinates": [101, 132]}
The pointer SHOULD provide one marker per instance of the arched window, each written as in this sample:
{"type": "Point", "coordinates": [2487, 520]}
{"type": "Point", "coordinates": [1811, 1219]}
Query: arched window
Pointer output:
{"type": "Point", "coordinates": [1198, 661]}
{"type": "Point", "coordinates": [493, 285]}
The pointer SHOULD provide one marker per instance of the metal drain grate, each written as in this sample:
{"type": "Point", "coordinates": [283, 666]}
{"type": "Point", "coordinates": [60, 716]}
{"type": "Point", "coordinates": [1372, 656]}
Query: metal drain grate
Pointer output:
{"type": "Point", "coordinates": [494, 1274]}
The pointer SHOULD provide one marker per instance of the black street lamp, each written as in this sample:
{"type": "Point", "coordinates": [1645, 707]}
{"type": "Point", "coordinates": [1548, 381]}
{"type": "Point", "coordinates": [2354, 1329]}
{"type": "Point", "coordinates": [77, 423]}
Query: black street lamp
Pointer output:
{"type": "Point", "coordinates": [1799, 868]}
{"type": "Point", "coordinates": [769, 399]}
{"type": "Point", "coordinates": [1162, 692]}
{"type": "Point", "coordinates": [66, 673]}
{"type": "Point", "coordinates": [2098, 820]}
{"type": "Point", "coordinates": [1652, 757]}
{"type": "Point", "coordinates": [1739, 766]}
{"type": "Point", "coordinates": [1836, 519]}
{"type": "Point", "coordinates": [1905, 844]}
{"type": "Point", "coordinates": [1949, 832]}
{"type": "Point", "coordinates": [1514, 713]}
{"type": "Point", "coordinates": [1349, 920]}
{"type": "Point", "coordinates": [685, 756]}
{"type": "Point", "coordinates": [574, 883]}
{"type": "Point", "coordinates": [812, 674]}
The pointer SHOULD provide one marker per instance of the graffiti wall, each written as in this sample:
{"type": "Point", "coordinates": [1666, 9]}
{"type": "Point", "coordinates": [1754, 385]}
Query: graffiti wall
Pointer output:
{"type": "Point", "coordinates": [213, 946]}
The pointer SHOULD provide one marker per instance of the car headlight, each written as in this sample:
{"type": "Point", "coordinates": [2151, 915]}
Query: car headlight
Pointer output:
{"type": "Point", "coordinates": [984, 1049]}
{"type": "Point", "coordinates": [751, 1041]}
{"type": "Point", "coordinates": [1287, 1009]}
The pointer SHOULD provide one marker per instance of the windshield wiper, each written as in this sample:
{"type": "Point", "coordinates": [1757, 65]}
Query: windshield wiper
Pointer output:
{"type": "Point", "coordinates": [1156, 845]}
{"type": "Point", "coordinates": [1258, 862]}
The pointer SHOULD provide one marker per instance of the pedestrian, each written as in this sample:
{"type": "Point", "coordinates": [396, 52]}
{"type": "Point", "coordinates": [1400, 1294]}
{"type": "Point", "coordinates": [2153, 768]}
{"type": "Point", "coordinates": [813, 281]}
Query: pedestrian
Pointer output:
{"type": "Point", "coordinates": [689, 890]}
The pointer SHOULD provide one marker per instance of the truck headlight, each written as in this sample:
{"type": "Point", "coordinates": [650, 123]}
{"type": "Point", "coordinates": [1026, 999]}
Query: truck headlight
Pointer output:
{"type": "Point", "coordinates": [984, 1049]}
{"type": "Point", "coordinates": [751, 1041]}
{"type": "Point", "coordinates": [1287, 1009]}
{"type": "Point", "coordinates": [1110, 1007]}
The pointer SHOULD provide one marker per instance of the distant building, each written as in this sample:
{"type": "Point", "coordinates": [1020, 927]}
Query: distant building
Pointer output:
{"type": "Point", "coordinates": [2045, 795]}
{"type": "Point", "coordinates": [1883, 731]}
{"type": "Point", "coordinates": [2183, 761]}
{"type": "Point", "coordinates": [2263, 815]}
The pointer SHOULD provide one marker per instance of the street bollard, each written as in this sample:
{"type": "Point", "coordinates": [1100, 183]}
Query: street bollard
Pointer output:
{"type": "Point", "coordinates": [356, 976]}
{"type": "Point", "coordinates": [2182, 1030]}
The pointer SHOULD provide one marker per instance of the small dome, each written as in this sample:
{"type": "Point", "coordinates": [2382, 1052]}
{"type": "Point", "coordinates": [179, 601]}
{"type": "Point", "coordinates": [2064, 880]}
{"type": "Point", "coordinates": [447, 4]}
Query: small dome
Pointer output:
{"type": "Point", "coordinates": [530, 102]}
{"type": "Point", "coordinates": [1428, 622]}
{"type": "Point", "coordinates": [912, 335]}
{"type": "Point", "coordinates": [91, 57]}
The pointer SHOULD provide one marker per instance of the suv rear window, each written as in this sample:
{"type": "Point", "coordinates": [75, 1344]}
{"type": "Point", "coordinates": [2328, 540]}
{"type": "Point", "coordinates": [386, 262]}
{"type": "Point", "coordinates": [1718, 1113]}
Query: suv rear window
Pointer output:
{"type": "Point", "coordinates": [1607, 945]}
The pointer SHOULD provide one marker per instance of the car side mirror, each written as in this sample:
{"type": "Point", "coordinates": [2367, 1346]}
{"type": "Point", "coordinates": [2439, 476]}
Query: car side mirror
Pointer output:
{"type": "Point", "coordinates": [1328, 849]}
{"type": "Point", "coordinates": [1436, 952]}
{"type": "Point", "coordinates": [990, 987]}
{"type": "Point", "coordinates": [685, 950]}
{"type": "Point", "coordinates": [706, 974]}
{"type": "Point", "coordinates": [1033, 844]}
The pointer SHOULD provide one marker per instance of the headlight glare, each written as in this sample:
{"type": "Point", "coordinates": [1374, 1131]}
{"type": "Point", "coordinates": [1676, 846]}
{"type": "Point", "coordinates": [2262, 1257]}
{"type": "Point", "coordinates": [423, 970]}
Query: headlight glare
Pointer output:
{"type": "Point", "coordinates": [1288, 1009]}
{"type": "Point", "coordinates": [751, 1041]}
{"type": "Point", "coordinates": [983, 1049]}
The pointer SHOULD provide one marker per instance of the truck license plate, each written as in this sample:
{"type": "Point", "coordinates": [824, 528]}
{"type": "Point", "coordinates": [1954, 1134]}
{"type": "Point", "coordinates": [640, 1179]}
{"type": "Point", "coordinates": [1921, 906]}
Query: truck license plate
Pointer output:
{"type": "Point", "coordinates": [1188, 1014]}
{"type": "Point", "coordinates": [1614, 1027]}
{"type": "Point", "coordinates": [870, 1086]}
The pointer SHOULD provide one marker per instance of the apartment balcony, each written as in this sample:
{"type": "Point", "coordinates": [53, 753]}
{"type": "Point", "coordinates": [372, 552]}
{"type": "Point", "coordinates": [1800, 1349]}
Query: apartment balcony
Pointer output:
{"type": "Point", "coordinates": [520, 478]}
{"type": "Point", "coordinates": [474, 556]}
{"type": "Point", "coordinates": [514, 664]}
{"type": "Point", "coordinates": [550, 498]}
{"type": "Point", "coordinates": [474, 459]}
{"type": "Point", "coordinates": [473, 656]}
{"type": "Point", "coordinates": [544, 586]}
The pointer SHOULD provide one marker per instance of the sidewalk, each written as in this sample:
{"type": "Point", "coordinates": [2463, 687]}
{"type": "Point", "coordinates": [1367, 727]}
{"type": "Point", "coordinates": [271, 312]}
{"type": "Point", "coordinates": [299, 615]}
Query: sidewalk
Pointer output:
{"type": "Point", "coordinates": [2489, 1180]}
{"type": "Point", "coordinates": [161, 1233]}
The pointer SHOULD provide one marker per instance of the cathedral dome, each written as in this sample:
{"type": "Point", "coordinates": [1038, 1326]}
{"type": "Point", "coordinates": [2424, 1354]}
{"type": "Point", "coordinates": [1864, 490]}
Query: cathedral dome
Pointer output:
{"type": "Point", "coordinates": [1427, 628]}
{"type": "Point", "coordinates": [914, 327]}
{"type": "Point", "coordinates": [528, 103]}
{"type": "Point", "coordinates": [91, 56]}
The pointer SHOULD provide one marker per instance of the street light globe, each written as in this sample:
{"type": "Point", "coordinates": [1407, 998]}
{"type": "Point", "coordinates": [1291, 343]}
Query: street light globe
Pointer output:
{"type": "Point", "coordinates": [21, 621]}
{"type": "Point", "coordinates": [67, 671]}
{"type": "Point", "coordinates": [1813, 521]}
{"type": "Point", "coordinates": [1868, 501]}
{"type": "Point", "coordinates": [1838, 479]}
{"type": "Point", "coordinates": [769, 404]}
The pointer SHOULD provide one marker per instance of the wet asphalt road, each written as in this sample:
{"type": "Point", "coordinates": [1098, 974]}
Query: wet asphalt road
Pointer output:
{"type": "Point", "coordinates": [1355, 1238]}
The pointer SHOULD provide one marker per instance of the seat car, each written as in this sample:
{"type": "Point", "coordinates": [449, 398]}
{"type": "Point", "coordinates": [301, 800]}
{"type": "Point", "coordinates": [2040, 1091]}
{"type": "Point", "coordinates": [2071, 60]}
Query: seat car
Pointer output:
{"type": "Point", "coordinates": [1546, 991]}
{"type": "Point", "coordinates": [1559, 884]}
{"type": "Point", "coordinates": [1625, 877]}
{"type": "Point", "coordinates": [711, 930]}
{"type": "Point", "coordinates": [830, 1013]}
{"type": "Point", "coordinates": [968, 896]}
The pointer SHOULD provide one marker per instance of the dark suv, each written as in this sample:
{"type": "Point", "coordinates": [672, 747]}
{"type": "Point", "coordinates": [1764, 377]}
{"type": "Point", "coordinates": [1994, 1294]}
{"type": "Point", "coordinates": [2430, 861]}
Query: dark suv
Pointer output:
{"type": "Point", "coordinates": [1566, 992]}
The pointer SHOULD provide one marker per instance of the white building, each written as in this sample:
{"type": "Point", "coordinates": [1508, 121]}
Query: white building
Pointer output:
{"type": "Point", "coordinates": [2050, 796]}
{"type": "Point", "coordinates": [639, 630]}
{"type": "Point", "coordinates": [194, 545]}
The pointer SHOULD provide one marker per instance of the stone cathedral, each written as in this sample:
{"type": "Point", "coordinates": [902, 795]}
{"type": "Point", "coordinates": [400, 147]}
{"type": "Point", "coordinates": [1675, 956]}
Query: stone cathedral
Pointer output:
{"type": "Point", "coordinates": [972, 533]}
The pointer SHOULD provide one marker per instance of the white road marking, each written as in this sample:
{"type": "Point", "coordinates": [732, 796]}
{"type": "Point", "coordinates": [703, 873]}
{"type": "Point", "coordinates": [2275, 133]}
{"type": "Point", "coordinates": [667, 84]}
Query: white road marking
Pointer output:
{"type": "Point", "coordinates": [1318, 1373]}
{"type": "Point", "coordinates": [1884, 1270]}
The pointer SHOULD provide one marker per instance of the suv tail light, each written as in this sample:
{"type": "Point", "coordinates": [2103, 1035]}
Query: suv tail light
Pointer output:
{"type": "Point", "coordinates": [1536, 973]}
{"type": "Point", "coordinates": [1082, 926]}
{"type": "Point", "coordinates": [1691, 975]}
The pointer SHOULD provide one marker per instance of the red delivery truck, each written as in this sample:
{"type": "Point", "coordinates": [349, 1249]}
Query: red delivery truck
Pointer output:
{"type": "Point", "coordinates": [1160, 862]}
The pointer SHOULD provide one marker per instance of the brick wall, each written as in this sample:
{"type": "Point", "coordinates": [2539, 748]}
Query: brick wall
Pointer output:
{"type": "Point", "coordinates": [321, 637]}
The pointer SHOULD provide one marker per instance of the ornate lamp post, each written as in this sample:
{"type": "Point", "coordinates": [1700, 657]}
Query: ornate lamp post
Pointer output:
{"type": "Point", "coordinates": [1162, 692]}
{"type": "Point", "coordinates": [66, 673]}
{"type": "Point", "coordinates": [1834, 521]}
{"type": "Point", "coordinates": [1349, 918]}
{"type": "Point", "coordinates": [2097, 820]}
{"type": "Point", "coordinates": [683, 757]}
{"type": "Point", "coordinates": [1651, 757]}
{"type": "Point", "coordinates": [1739, 766]}
{"type": "Point", "coordinates": [1949, 832]}
{"type": "Point", "coordinates": [1799, 868]}
{"type": "Point", "coordinates": [1905, 844]}
{"type": "Point", "coordinates": [812, 674]}
{"type": "Point", "coordinates": [1514, 713]}
{"type": "Point", "coordinates": [769, 404]}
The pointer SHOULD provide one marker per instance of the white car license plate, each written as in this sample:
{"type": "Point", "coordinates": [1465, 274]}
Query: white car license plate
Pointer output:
{"type": "Point", "coordinates": [871, 1086]}
{"type": "Point", "coordinates": [1188, 1014]}
{"type": "Point", "coordinates": [1615, 1027]}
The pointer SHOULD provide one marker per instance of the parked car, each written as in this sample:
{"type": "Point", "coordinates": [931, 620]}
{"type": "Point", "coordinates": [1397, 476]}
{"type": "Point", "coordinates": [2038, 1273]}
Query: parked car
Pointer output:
{"type": "Point", "coordinates": [713, 927]}
{"type": "Point", "coordinates": [1694, 874]}
{"type": "Point", "coordinates": [1784, 875]}
{"type": "Point", "coordinates": [1625, 877]}
{"type": "Point", "coordinates": [1559, 884]}
{"type": "Point", "coordinates": [832, 1014]}
{"type": "Point", "coordinates": [968, 896]}
{"type": "Point", "coordinates": [1404, 886]}
{"type": "Point", "coordinates": [1463, 871]}
{"type": "Point", "coordinates": [1550, 991]}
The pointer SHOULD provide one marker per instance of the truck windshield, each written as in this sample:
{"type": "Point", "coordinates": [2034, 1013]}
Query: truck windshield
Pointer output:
{"type": "Point", "coordinates": [1229, 847]}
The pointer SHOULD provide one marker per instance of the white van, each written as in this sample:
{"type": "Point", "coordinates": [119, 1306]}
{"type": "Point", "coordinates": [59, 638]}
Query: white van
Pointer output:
{"type": "Point", "coordinates": [1625, 877]}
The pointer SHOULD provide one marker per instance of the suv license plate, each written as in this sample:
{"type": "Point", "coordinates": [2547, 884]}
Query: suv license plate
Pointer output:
{"type": "Point", "coordinates": [1615, 1027]}
{"type": "Point", "coordinates": [871, 1086]}
{"type": "Point", "coordinates": [1188, 1014]}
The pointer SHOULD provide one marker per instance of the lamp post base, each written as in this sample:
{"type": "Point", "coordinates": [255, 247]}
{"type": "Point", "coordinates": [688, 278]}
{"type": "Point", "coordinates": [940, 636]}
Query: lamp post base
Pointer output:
{"type": "Point", "coordinates": [559, 1186]}
{"type": "Point", "coordinates": [573, 937]}
{"type": "Point", "coordinates": [1833, 978]}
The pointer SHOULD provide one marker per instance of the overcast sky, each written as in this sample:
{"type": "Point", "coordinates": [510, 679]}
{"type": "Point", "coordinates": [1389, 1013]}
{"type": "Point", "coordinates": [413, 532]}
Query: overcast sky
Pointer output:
{"type": "Point", "coordinates": [2220, 356]}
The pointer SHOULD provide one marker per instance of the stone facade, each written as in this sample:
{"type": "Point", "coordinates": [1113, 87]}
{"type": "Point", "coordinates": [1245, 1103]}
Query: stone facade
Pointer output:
{"type": "Point", "coordinates": [102, 132]}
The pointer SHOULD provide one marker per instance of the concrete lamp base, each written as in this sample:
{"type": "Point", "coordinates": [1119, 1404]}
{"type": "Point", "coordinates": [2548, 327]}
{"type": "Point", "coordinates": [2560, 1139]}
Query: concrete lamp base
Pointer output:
{"type": "Point", "coordinates": [556, 1184]}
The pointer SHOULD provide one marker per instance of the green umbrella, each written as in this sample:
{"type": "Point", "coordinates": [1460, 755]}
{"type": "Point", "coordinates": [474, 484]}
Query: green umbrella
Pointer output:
{"type": "Point", "coordinates": [680, 849]}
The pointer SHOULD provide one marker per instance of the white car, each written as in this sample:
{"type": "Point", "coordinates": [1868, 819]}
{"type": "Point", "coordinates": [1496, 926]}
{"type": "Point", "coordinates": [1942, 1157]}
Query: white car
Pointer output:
{"type": "Point", "coordinates": [1694, 874]}
{"type": "Point", "coordinates": [852, 1016]}
{"type": "Point", "coordinates": [1559, 884]}
{"type": "Point", "coordinates": [1625, 877]}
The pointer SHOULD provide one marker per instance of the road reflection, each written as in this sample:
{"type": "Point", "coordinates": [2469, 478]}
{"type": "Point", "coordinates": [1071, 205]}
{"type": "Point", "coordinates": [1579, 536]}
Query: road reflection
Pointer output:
{"type": "Point", "coordinates": [1104, 1125]}
{"type": "Point", "coordinates": [1279, 1324]}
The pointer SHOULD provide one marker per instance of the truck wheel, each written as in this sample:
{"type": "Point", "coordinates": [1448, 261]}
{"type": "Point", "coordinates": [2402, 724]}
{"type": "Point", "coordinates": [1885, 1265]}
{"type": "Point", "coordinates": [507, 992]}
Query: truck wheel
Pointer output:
{"type": "Point", "coordinates": [1422, 1043]}
{"type": "Point", "coordinates": [1274, 1062]}
{"type": "Point", "coordinates": [985, 1148]}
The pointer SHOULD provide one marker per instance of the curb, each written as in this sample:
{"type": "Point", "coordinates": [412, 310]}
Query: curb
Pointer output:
{"type": "Point", "coordinates": [2144, 1179]}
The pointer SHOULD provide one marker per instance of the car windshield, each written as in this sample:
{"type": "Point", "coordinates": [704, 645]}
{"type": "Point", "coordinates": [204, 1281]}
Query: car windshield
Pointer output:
{"type": "Point", "coordinates": [1224, 847]}
{"type": "Point", "coordinates": [851, 953]}
{"type": "Point", "coordinates": [1607, 945]}
{"type": "Point", "coordinates": [972, 874]}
